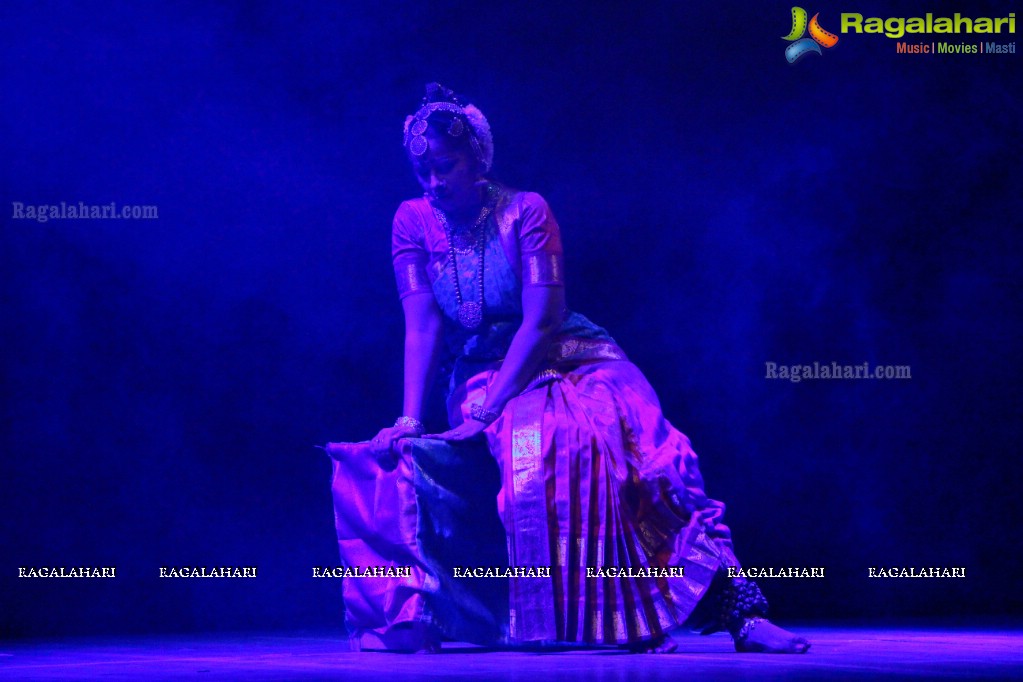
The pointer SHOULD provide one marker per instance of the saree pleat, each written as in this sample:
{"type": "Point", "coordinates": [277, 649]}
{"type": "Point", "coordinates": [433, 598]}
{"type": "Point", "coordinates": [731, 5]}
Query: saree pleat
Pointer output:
{"type": "Point", "coordinates": [594, 478]}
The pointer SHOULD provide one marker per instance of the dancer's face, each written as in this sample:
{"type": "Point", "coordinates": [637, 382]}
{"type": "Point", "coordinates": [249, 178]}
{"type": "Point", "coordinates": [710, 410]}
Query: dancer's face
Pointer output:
{"type": "Point", "coordinates": [449, 174]}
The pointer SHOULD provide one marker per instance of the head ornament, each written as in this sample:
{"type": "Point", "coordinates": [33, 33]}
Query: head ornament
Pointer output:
{"type": "Point", "coordinates": [464, 117]}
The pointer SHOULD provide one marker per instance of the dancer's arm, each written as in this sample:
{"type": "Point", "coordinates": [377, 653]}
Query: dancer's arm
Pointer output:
{"type": "Point", "coordinates": [423, 337]}
{"type": "Point", "coordinates": [543, 309]}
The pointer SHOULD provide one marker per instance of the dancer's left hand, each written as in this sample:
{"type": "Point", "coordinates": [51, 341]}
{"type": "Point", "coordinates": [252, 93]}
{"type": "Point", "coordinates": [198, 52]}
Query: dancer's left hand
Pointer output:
{"type": "Point", "coordinates": [470, 428]}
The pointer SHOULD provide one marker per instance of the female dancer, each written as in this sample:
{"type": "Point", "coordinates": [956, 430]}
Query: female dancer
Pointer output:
{"type": "Point", "coordinates": [596, 484]}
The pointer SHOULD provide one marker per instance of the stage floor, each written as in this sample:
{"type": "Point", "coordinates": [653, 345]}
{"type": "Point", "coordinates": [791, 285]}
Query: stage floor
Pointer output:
{"type": "Point", "coordinates": [837, 654]}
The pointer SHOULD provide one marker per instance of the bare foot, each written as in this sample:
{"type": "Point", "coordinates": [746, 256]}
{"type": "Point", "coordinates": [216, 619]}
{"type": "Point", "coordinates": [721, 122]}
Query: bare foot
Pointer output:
{"type": "Point", "coordinates": [658, 645]}
{"type": "Point", "coordinates": [767, 638]}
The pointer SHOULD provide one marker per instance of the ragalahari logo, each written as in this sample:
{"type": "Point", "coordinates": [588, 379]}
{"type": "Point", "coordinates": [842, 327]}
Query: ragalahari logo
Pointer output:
{"type": "Point", "coordinates": [802, 46]}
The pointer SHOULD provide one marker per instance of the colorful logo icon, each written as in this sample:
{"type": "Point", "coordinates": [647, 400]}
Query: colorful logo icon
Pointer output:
{"type": "Point", "coordinates": [803, 46]}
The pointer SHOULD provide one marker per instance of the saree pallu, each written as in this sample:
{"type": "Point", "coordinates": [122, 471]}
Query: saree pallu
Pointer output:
{"type": "Point", "coordinates": [419, 513]}
{"type": "Point", "coordinates": [593, 477]}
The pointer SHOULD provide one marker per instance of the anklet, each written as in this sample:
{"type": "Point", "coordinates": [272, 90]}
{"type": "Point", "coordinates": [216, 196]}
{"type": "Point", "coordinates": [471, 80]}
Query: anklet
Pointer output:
{"type": "Point", "coordinates": [747, 627]}
{"type": "Point", "coordinates": [740, 601]}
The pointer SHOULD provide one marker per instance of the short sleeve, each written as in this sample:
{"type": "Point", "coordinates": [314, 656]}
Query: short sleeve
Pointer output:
{"type": "Point", "coordinates": [540, 244]}
{"type": "Point", "coordinates": [408, 253]}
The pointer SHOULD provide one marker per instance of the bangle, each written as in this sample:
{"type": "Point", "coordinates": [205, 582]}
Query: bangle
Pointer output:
{"type": "Point", "coordinates": [482, 414]}
{"type": "Point", "coordinates": [412, 423]}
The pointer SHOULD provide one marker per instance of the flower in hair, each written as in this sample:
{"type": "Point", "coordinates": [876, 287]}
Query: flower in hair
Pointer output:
{"type": "Point", "coordinates": [481, 128]}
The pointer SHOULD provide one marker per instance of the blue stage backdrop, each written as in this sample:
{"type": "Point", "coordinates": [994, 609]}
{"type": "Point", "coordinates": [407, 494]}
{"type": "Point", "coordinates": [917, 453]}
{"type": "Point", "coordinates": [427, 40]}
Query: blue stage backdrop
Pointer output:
{"type": "Point", "coordinates": [165, 380]}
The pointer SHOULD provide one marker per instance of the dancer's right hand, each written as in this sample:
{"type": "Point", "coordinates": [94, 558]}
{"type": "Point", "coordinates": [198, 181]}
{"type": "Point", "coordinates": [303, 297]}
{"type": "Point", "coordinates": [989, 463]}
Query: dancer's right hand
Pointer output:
{"type": "Point", "coordinates": [388, 437]}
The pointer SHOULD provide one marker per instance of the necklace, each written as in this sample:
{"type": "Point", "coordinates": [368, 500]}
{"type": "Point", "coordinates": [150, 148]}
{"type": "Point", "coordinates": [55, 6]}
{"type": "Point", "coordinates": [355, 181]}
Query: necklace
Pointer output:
{"type": "Point", "coordinates": [470, 313]}
{"type": "Point", "coordinates": [464, 242]}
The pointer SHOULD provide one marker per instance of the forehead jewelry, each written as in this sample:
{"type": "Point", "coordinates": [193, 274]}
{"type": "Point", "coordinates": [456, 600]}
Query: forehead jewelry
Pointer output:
{"type": "Point", "coordinates": [416, 134]}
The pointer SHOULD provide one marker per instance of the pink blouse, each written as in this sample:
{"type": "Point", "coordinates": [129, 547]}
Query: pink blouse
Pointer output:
{"type": "Point", "coordinates": [527, 231]}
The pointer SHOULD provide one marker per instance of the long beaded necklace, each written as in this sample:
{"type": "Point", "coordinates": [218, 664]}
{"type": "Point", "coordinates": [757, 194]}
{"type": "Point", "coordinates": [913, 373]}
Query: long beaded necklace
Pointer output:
{"type": "Point", "coordinates": [470, 313]}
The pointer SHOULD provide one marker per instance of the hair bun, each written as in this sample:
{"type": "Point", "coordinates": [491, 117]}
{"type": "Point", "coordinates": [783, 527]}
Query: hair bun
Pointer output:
{"type": "Point", "coordinates": [435, 92]}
